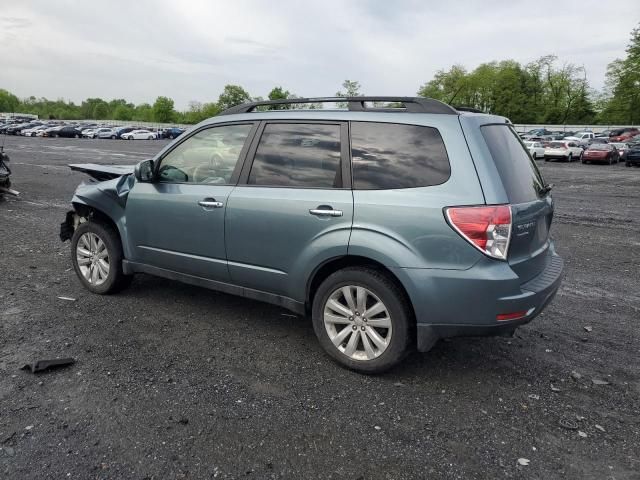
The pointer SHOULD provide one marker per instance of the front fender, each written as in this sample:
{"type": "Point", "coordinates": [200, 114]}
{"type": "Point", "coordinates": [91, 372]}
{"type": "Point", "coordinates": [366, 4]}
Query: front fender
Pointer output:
{"type": "Point", "coordinates": [109, 198]}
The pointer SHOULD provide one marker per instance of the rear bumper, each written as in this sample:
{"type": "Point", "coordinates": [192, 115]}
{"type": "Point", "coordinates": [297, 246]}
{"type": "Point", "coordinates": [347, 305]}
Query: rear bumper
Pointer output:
{"type": "Point", "coordinates": [467, 303]}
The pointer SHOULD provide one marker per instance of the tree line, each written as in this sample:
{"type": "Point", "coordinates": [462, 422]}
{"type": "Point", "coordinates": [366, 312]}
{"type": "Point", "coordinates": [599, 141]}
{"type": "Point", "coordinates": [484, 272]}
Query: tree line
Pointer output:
{"type": "Point", "coordinates": [544, 91]}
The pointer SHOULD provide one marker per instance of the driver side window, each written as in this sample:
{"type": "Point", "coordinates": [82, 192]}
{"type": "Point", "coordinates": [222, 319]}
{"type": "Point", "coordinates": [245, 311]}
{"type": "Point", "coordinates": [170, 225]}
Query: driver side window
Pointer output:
{"type": "Point", "coordinates": [208, 157]}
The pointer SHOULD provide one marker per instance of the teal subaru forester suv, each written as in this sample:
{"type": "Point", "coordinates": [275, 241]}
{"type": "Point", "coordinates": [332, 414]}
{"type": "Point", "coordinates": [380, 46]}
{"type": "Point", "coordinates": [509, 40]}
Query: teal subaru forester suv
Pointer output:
{"type": "Point", "coordinates": [391, 226]}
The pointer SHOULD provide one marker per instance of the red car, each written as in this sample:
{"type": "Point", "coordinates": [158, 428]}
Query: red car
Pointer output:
{"type": "Point", "coordinates": [624, 134]}
{"type": "Point", "coordinates": [601, 152]}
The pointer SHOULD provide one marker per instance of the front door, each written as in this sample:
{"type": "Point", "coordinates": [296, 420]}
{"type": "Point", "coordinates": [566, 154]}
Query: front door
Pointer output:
{"type": "Point", "coordinates": [292, 209]}
{"type": "Point", "coordinates": [177, 222]}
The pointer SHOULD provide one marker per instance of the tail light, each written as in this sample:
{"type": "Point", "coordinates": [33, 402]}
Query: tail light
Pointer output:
{"type": "Point", "coordinates": [488, 228]}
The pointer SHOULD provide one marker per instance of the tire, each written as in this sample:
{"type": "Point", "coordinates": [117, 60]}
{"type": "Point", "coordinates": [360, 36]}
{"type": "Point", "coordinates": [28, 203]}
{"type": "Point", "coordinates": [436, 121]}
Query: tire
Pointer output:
{"type": "Point", "coordinates": [171, 136]}
{"type": "Point", "coordinates": [535, 156]}
{"type": "Point", "coordinates": [570, 158]}
{"type": "Point", "coordinates": [150, 138]}
{"type": "Point", "coordinates": [610, 160]}
{"type": "Point", "coordinates": [581, 155]}
{"type": "Point", "coordinates": [76, 136]}
{"type": "Point", "coordinates": [113, 137]}
{"type": "Point", "coordinates": [546, 159]}
{"type": "Point", "coordinates": [115, 280]}
{"type": "Point", "coordinates": [379, 288]}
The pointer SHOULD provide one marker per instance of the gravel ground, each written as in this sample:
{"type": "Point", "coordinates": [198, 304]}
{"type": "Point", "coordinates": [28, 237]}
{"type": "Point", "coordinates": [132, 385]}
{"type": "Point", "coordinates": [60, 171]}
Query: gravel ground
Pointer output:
{"type": "Point", "coordinates": [174, 381]}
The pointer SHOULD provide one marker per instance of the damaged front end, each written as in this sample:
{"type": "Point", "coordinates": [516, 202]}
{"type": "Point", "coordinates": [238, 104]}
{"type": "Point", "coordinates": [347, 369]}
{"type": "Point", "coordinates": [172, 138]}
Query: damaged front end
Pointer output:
{"type": "Point", "coordinates": [103, 198]}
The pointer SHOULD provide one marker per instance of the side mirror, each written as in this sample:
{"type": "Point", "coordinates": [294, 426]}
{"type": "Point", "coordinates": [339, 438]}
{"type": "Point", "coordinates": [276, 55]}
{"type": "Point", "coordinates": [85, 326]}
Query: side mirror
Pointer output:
{"type": "Point", "coordinates": [143, 171]}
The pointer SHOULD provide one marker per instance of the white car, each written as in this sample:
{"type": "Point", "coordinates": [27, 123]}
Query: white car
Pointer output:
{"type": "Point", "coordinates": [140, 135]}
{"type": "Point", "coordinates": [33, 132]}
{"type": "Point", "coordinates": [582, 138]}
{"type": "Point", "coordinates": [88, 132]}
{"type": "Point", "coordinates": [563, 150]}
{"type": "Point", "coordinates": [536, 150]}
{"type": "Point", "coordinates": [104, 132]}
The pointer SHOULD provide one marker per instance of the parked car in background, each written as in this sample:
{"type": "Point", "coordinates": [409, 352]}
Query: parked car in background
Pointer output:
{"type": "Point", "coordinates": [66, 132]}
{"type": "Point", "coordinates": [119, 131]}
{"type": "Point", "coordinates": [33, 132]}
{"type": "Point", "coordinates": [603, 134]}
{"type": "Point", "coordinates": [139, 135]}
{"type": "Point", "coordinates": [88, 132]}
{"type": "Point", "coordinates": [535, 149]}
{"type": "Point", "coordinates": [598, 140]}
{"type": "Point", "coordinates": [537, 132]}
{"type": "Point", "coordinates": [387, 242]}
{"type": "Point", "coordinates": [622, 148]}
{"type": "Point", "coordinates": [633, 156]}
{"type": "Point", "coordinates": [562, 150]}
{"type": "Point", "coordinates": [624, 134]}
{"type": "Point", "coordinates": [51, 131]}
{"type": "Point", "coordinates": [173, 132]}
{"type": "Point", "coordinates": [105, 132]}
{"type": "Point", "coordinates": [601, 153]}
{"type": "Point", "coordinates": [582, 138]}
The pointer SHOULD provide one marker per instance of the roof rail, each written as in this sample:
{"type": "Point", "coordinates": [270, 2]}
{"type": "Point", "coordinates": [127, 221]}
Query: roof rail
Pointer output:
{"type": "Point", "coordinates": [357, 104]}
{"type": "Point", "coordinates": [467, 109]}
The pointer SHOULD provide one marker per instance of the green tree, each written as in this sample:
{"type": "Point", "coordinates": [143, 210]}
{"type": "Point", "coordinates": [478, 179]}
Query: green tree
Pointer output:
{"type": "Point", "coordinates": [8, 101]}
{"type": "Point", "coordinates": [100, 111]}
{"type": "Point", "coordinates": [163, 111]}
{"type": "Point", "coordinates": [233, 95]}
{"type": "Point", "coordinates": [277, 93]}
{"type": "Point", "coordinates": [622, 84]}
{"type": "Point", "coordinates": [123, 112]}
{"type": "Point", "coordinates": [143, 113]}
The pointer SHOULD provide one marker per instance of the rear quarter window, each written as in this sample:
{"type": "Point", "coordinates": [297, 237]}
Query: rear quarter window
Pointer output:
{"type": "Point", "coordinates": [392, 156]}
{"type": "Point", "coordinates": [520, 176]}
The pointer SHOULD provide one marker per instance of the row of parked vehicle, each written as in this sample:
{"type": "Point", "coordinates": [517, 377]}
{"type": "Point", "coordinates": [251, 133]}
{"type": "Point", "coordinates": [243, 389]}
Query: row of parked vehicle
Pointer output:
{"type": "Point", "coordinates": [611, 146]}
{"type": "Point", "coordinates": [37, 128]}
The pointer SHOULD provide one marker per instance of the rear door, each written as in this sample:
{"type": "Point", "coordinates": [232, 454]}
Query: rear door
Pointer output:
{"type": "Point", "coordinates": [531, 207]}
{"type": "Point", "coordinates": [292, 208]}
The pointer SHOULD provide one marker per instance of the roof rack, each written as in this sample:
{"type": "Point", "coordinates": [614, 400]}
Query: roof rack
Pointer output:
{"type": "Point", "coordinates": [357, 104]}
{"type": "Point", "coordinates": [460, 108]}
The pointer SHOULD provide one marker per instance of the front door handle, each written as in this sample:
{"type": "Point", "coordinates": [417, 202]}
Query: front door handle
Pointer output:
{"type": "Point", "coordinates": [210, 203]}
{"type": "Point", "coordinates": [325, 212]}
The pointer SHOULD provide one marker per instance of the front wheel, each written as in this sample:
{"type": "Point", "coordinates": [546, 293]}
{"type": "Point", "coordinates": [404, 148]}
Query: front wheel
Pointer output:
{"type": "Point", "coordinates": [570, 158]}
{"type": "Point", "coordinates": [113, 137]}
{"type": "Point", "coordinates": [535, 156]}
{"type": "Point", "coordinates": [96, 254]}
{"type": "Point", "coordinates": [361, 319]}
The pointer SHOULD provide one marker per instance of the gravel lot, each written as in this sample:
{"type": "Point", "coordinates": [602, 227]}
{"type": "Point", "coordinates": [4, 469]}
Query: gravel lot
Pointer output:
{"type": "Point", "coordinates": [174, 381]}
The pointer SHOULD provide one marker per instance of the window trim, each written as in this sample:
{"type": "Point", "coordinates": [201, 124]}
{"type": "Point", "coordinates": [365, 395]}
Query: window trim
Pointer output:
{"type": "Point", "coordinates": [401, 188]}
{"type": "Point", "coordinates": [345, 159]}
{"type": "Point", "coordinates": [239, 163]}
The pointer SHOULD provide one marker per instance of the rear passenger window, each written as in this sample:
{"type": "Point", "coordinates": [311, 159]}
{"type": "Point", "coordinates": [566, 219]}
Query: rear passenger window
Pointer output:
{"type": "Point", "coordinates": [390, 155]}
{"type": "Point", "coordinates": [298, 155]}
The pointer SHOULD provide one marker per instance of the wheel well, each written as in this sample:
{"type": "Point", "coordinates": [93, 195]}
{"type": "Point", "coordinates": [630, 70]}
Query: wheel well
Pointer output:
{"type": "Point", "coordinates": [339, 263]}
{"type": "Point", "coordinates": [91, 213]}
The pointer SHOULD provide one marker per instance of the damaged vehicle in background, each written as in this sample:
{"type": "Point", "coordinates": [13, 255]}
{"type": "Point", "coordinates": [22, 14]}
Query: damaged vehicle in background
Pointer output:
{"type": "Point", "coordinates": [391, 227]}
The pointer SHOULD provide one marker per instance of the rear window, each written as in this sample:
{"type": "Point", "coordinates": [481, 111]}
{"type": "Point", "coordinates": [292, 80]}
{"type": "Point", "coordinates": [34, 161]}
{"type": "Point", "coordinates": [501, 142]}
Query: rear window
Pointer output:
{"type": "Point", "coordinates": [520, 176]}
{"type": "Point", "coordinates": [391, 155]}
{"type": "Point", "coordinates": [557, 144]}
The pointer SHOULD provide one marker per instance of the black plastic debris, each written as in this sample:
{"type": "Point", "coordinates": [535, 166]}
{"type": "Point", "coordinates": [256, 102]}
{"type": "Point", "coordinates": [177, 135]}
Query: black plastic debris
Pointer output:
{"type": "Point", "coordinates": [42, 365]}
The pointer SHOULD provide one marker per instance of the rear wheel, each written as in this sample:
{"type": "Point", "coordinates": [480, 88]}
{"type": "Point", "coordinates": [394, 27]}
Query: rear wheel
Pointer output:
{"type": "Point", "coordinates": [96, 254]}
{"type": "Point", "coordinates": [362, 320]}
{"type": "Point", "coordinates": [113, 137]}
{"type": "Point", "coordinates": [610, 159]}
{"type": "Point", "coordinates": [570, 158]}
{"type": "Point", "coordinates": [535, 156]}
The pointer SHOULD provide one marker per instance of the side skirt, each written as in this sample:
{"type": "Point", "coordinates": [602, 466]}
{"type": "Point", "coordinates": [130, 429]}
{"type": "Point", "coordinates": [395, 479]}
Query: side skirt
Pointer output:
{"type": "Point", "coordinates": [129, 268]}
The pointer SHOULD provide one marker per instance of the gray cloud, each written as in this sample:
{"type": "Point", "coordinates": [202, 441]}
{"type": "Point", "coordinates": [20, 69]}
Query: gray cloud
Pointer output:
{"type": "Point", "coordinates": [189, 50]}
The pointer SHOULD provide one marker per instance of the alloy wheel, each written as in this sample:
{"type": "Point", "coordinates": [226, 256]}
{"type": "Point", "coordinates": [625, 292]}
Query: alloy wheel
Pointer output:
{"type": "Point", "coordinates": [357, 322]}
{"type": "Point", "coordinates": [93, 258]}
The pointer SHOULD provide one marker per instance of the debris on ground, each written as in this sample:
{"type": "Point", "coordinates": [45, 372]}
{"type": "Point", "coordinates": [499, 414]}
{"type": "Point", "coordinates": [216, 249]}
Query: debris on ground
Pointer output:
{"type": "Point", "coordinates": [575, 375]}
{"type": "Point", "coordinates": [68, 299]}
{"type": "Point", "coordinates": [588, 329]}
{"type": "Point", "coordinates": [597, 381]}
{"type": "Point", "coordinates": [523, 461]}
{"type": "Point", "coordinates": [554, 388]}
{"type": "Point", "coordinates": [42, 365]}
{"type": "Point", "coordinates": [582, 434]}
{"type": "Point", "coordinates": [599, 427]}
{"type": "Point", "coordinates": [568, 424]}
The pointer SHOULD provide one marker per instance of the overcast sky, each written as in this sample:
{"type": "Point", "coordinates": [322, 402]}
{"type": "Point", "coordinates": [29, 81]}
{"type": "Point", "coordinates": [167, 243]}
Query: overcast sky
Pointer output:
{"type": "Point", "coordinates": [189, 49]}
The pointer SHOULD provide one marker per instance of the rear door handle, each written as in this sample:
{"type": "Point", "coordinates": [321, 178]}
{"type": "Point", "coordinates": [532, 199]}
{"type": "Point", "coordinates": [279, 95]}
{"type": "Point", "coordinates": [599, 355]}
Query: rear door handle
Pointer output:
{"type": "Point", "coordinates": [324, 212]}
{"type": "Point", "coordinates": [210, 203]}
